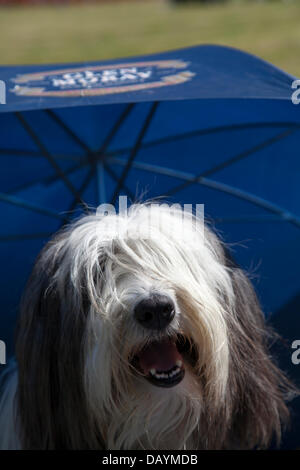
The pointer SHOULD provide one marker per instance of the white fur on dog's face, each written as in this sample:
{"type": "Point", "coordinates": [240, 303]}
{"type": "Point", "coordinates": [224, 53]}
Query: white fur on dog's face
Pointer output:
{"type": "Point", "coordinates": [85, 357]}
{"type": "Point", "coordinates": [179, 265]}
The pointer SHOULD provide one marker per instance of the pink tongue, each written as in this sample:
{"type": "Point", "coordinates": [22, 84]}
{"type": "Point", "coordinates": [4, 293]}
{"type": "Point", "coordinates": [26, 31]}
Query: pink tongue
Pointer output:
{"type": "Point", "coordinates": [159, 356]}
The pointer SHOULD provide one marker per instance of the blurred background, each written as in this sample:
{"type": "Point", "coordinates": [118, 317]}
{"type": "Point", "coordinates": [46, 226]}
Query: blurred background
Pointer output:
{"type": "Point", "coordinates": [41, 31]}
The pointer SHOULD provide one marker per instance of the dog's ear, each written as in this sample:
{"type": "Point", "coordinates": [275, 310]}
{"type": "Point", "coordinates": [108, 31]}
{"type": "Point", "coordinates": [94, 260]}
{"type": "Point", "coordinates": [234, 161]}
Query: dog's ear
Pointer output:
{"type": "Point", "coordinates": [257, 388]}
{"type": "Point", "coordinates": [50, 355]}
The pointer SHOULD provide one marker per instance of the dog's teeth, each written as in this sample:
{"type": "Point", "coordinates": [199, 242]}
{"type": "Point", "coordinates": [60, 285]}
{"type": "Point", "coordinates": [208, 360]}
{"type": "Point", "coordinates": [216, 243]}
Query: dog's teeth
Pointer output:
{"type": "Point", "coordinates": [168, 374]}
{"type": "Point", "coordinates": [176, 371]}
{"type": "Point", "coordinates": [179, 363]}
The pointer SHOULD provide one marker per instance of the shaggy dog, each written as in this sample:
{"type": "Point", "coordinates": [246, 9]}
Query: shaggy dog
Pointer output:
{"type": "Point", "coordinates": [138, 331]}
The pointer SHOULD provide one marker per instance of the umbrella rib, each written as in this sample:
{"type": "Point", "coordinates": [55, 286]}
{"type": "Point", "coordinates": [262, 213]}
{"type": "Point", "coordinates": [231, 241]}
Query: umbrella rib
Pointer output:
{"type": "Point", "coordinates": [48, 180]}
{"type": "Point", "coordinates": [145, 145]}
{"type": "Point", "coordinates": [115, 129]}
{"type": "Point", "coordinates": [116, 178]}
{"type": "Point", "coordinates": [102, 150]}
{"type": "Point", "coordinates": [100, 184]}
{"type": "Point", "coordinates": [250, 219]}
{"type": "Point", "coordinates": [81, 190]}
{"type": "Point", "coordinates": [154, 168]}
{"type": "Point", "coordinates": [20, 153]}
{"type": "Point", "coordinates": [202, 132]}
{"type": "Point", "coordinates": [68, 130]}
{"type": "Point", "coordinates": [91, 155]}
{"type": "Point", "coordinates": [24, 236]}
{"type": "Point", "coordinates": [27, 205]}
{"type": "Point", "coordinates": [61, 156]}
{"type": "Point", "coordinates": [85, 183]}
{"type": "Point", "coordinates": [49, 157]}
{"type": "Point", "coordinates": [85, 147]}
{"type": "Point", "coordinates": [134, 151]}
{"type": "Point", "coordinates": [80, 142]}
{"type": "Point", "coordinates": [33, 154]}
{"type": "Point", "coordinates": [232, 160]}
{"type": "Point", "coordinates": [256, 200]}
{"type": "Point", "coordinates": [239, 193]}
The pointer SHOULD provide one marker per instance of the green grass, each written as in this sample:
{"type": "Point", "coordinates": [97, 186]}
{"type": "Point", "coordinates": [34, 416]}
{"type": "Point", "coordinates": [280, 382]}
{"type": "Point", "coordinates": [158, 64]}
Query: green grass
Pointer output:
{"type": "Point", "coordinates": [93, 32]}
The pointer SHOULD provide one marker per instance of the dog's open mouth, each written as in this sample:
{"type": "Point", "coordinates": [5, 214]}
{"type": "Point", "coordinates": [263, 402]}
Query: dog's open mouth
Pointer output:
{"type": "Point", "coordinates": [162, 362]}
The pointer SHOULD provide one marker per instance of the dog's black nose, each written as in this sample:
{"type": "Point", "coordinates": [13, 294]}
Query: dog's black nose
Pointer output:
{"type": "Point", "coordinates": [155, 312]}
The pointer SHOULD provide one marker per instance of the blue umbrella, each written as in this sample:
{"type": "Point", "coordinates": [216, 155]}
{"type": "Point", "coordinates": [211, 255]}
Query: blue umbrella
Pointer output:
{"type": "Point", "coordinates": [205, 125]}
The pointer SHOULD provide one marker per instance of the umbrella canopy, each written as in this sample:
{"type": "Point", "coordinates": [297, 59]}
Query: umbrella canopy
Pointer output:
{"type": "Point", "coordinates": [205, 125]}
